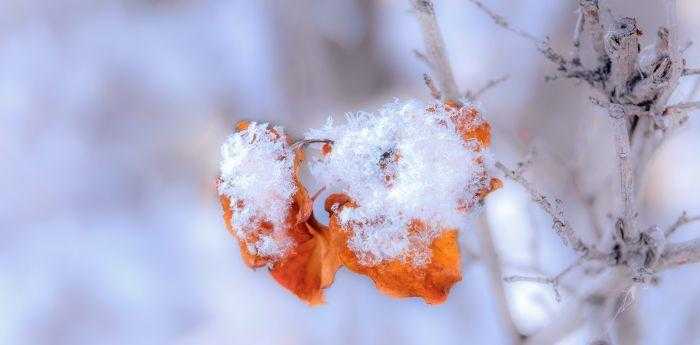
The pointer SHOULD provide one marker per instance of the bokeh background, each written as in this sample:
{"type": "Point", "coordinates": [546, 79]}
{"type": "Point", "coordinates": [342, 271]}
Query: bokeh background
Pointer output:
{"type": "Point", "coordinates": [111, 117]}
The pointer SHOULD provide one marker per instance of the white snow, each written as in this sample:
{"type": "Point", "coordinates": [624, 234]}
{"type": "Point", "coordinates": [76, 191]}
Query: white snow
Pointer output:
{"type": "Point", "coordinates": [257, 173]}
{"type": "Point", "coordinates": [400, 164]}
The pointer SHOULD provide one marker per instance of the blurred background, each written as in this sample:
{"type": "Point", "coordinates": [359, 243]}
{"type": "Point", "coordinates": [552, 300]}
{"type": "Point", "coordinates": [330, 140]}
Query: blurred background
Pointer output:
{"type": "Point", "coordinates": [111, 117]}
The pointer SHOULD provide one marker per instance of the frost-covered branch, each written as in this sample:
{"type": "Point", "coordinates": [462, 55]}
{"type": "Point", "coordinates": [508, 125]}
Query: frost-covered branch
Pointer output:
{"type": "Point", "coordinates": [682, 220]}
{"type": "Point", "coordinates": [592, 27]}
{"type": "Point", "coordinates": [576, 312]}
{"type": "Point", "coordinates": [554, 281]}
{"type": "Point", "coordinates": [578, 29]}
{"type": "Point", "coordinates": [561, 225]}
{"type": "Point", "coordinates": [503, 22]}
{"type": "Point", "coordinates": [678, 254]}
{"type": "Point", "coordinates": [625, 170]}
{"type": "Point", "coordinates": [634, 86]}
{"type": "Point", "coordinates": [424, 59]}
{"type": "Point", "coordinates": [495, 272]}
{"type": "Point", "coordinates": [434, 91]}
{"type": "Point", "coordinates": [435, 52]}
{"type": "Point", "coordinates": [542, 45]}
{"type": "Point", "coordinates": [685, 106]}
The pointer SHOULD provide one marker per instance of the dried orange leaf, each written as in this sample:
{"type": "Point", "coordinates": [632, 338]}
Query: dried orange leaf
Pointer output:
{"type": "Point", "coordinates": [409, 175]}
{"type": "Point", "coordinates": [431, 281]}
{"type": "Point", "coordinates": [310, 268]}
{"type": "Point", "coordinates": [295, 248]}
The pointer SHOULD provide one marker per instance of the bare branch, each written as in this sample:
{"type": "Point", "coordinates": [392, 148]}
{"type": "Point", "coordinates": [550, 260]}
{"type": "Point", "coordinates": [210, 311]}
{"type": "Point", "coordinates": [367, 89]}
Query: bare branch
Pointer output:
{"type": "Point", "coordinates": [494, 266]}
{"type": "Point", "coordinates": [592, 26]}
{"type": "Point", "coordinates": [627, 325]}
{"type": "Point", "coordinates": [424, 59]}
{"type": "Point", "coordinates": [431, 86]}
{"type": "Point", "coordinates": [561, 225]}
{"type": "Point", "coordinates": [587, 199]}
{"type": "Point", "coordinates": [678, 254]}
{"type": "Point", "coordinates": [572, 315]}
{"type": "Point", "coordinates": [502, 22]}
{"type": "Point", "coordinates": [622, 46]}
{"type": "Point", "coordinates": [542, 45]}
{"type": "Point", "coordinates": [517, 278]}
{"type": "Point", "coordinates": [318, 193]}
{"type": "Point", "coordinates": [554, 282]}
{"type": "Point", "coordinates": [576, 54]}
{"type": "Point", "coordinates": [684, 106]}
{"type": "Point", "coordinates": [691, 71]}
{"type": "Point", "coordinates": [623, 150]}
{"type": "Point", "coordinates": [303, 143]}
{"type": "Point", "coordinates": [538, 280]}
{"type": "Point", "coordinates": [565, 68]}
{"type": "Point", "coordinates": [682, 220]}
{"type": "Point", "coordinates": [435, 48]}
{"type": "Point", "coordinates": [489, 85]}
{"type": "Point", "coordinates": [685, 47]}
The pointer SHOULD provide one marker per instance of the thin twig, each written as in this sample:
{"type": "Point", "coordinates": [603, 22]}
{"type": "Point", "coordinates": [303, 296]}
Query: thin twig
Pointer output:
{"type": "Point", "coordinates": [576, 54]}
{"type": "Point", "coordinates": [424, 59]}
{"type": "Point", "coordinates": [502, 22]}
{"type": "Point", "coordinates": [588, 200]}
{"type": "Point", "coordinates": [431, 86]}
{"type": "Point", "coordinates": [592, 27]}
{"type": "Point", "coordinates": [538, 280]}
{"type": "Point", "coordinates": [684, 106]}
{"type": "Point", "coordinates": [489, 85]}
{"type": "Point", "coordinates": [627, 325]}
{"type": "Point", "coordinates": [685, 47]}
{"type": "Point", "coordinates": [302, 143]}
{"type": "Point", "coordinates": [682, 220]}
{"type": "Point", "coordinates": [691, 71]}
{"type": "Point", "coordinates": [494, 266]}
{"type": "Point", "coordinates": [571, 316]}
{"type": "Point", "coordinates": [318, 193]}
{"type": "Point", "coordinates": [542, 45]}
{"type": "Point", "coordinates": [554, 282]}
{"type": "Point", "coordinates": [561, 225]}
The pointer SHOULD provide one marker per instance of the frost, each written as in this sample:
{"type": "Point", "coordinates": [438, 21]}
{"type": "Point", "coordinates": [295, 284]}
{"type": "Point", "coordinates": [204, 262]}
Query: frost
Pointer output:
{"type": "Point", "coordinates": [403, 164]}
{"type": "Point", "coordinates": [257, 177]}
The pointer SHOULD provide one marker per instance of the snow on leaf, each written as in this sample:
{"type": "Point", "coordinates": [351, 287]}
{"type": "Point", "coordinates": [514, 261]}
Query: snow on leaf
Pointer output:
{"type": "Point", "coordinates": [396, 277]}
{"type": "Point", "coordinates": [404, 181]}
{"type": "Point", "coordinates": [408, 162]}
{"type": "Point", "coordinates": [269, 211]}
{"type": "Point", "coordinates": [257, 179]}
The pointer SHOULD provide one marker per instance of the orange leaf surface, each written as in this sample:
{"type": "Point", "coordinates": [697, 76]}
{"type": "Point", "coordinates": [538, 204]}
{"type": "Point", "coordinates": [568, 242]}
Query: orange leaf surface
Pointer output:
{"type": "Point", "coordinates": [310, 268]}
{"type": "Point", "coordinates": [401, 278]}
{"type": "Point", "coordinates": [469, 123]}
